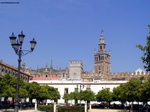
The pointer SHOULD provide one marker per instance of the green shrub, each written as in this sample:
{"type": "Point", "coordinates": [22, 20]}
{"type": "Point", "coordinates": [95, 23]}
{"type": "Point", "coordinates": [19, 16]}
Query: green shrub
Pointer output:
{"type": "Point", "coordinates": [70, 109]}
{"type": "Point", "coordinates": [46, 108]}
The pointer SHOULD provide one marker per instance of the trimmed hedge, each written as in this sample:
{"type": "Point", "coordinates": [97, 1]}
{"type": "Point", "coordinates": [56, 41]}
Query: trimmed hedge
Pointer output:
{"type": "Point", "coordinates": [70, 109]}
{"type": "Point", "coordinates": [49, 108]}
{"type": "Point", "coordinates": [46, 108]}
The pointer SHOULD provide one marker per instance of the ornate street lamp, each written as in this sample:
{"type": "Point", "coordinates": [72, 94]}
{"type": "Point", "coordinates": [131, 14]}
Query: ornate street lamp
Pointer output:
{"type": "Point", "coordinates": [17, 46]}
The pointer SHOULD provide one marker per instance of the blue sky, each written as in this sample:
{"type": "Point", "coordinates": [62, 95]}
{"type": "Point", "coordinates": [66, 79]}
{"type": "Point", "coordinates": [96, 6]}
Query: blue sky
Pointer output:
{"type": "Point", "coordinates": [70, 29]}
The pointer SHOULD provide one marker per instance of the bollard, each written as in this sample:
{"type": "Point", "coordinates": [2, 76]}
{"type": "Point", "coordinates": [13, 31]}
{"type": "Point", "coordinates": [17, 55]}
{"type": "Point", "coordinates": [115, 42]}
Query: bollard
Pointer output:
{"type": "Point", "coordinates": [90, 106]}
{"type": "Point", "coordinates": [35, 107]}
{"type": "Point", "coordinates": [54, 106]}
{"type": "Point", "coordinates": [85, 106]}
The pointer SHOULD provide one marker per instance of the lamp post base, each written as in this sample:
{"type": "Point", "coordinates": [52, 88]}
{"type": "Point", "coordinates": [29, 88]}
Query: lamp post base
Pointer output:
{"type": "Point", "coordinates": [16, 106]}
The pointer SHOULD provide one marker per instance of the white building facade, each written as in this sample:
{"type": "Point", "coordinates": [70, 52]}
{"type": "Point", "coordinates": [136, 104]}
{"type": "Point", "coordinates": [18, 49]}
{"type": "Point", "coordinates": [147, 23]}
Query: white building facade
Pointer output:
{"type": "Point", "coordinates": [70, 86]}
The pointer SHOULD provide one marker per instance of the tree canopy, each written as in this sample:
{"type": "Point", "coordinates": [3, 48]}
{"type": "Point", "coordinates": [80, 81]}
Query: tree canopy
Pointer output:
{"type": "Point", "coordinates": [87, 95]}
{"type": "Point", "coordinates": [133, 90]}
{"type": "Point", "coordinates": [7, 85]}
{"type": "Point", "coordinates": [104, 95]}
{"type": "Point", "coordinates": [146, 49]}
{"type": "Point", "coordinates": [34, 90]}
{"type": "Point", "coordinates": [119, 94]}
{"type": "Point", "coordinates": [54, 93]}
{"type": "Point", "coordinates": [23, 93]}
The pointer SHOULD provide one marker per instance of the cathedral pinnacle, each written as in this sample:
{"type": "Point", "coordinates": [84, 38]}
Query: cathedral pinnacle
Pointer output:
{"type": "Point", "coordinates": [102, 38]}
{"type": "Point", "coordinates": [51, 67]}
{"type": "Point", "coordinates": [102, 32]}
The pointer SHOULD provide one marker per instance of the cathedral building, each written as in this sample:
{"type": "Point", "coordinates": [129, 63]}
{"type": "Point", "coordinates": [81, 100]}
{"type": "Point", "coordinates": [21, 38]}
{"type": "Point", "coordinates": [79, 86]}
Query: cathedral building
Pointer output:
{"type": "Point", "coordinates": [75, 71]}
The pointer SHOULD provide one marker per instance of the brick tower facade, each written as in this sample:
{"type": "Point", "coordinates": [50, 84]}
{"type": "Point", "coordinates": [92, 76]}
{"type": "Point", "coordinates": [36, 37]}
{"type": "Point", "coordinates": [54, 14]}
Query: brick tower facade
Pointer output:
{"type": "Point", "coordinates": [102, 65]}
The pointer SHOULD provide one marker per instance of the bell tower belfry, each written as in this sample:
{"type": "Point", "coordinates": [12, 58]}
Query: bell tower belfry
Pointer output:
{"type": "Point", "coordinates": [102, 65]}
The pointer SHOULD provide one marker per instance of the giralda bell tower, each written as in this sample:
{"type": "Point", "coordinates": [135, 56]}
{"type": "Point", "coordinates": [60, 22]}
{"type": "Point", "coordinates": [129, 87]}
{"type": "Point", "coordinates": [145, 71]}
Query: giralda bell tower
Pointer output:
{"type": "Point", "coordinates": [102, 65]}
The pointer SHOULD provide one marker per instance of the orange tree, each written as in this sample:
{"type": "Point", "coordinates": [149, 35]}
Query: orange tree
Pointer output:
{"type": "Point", "coordinates": [104, 95]}
{"type": "Point", "coordinates": [87, 95]}
{"type": "Point", "coordinates": [146, 49]}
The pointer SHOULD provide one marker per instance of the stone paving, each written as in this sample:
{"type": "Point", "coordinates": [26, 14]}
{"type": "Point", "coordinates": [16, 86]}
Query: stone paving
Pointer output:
{"type": "Point", "coordinates": [106, 110]}
{"type": "Point", "coordinates": [92, 110]}
{"type": "Point", "coordinates": [30, 111]}
{"type": "Point", "coordinates": [12, 110]}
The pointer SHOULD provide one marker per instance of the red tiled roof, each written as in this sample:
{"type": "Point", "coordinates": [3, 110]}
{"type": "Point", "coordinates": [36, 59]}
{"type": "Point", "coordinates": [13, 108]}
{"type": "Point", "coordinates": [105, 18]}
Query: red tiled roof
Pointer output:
{"type": "Point", "coordinates": [45, 78]}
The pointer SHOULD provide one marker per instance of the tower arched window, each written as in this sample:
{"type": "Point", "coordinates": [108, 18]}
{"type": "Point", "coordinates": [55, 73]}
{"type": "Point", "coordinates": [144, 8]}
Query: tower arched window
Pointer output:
{"type": "Point", "coordinates": [104, 47]}
{"type": "Point", "coordinates": [102, 57]}
{"type": "Point", "coordinates": [100, 47]}
{"type": "Point", "coordinates": [6, 71]}
{"type": "Point", "coordinates": [142, 73]}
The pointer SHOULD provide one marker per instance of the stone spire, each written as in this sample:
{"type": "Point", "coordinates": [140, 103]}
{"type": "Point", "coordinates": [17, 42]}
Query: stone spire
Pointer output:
{"type": "Point", "coordinates": [102, 40]}
{"type": "Point", "coordinates": [46, 68]}
{"type": "Point", "coordinates": [51, 67]}
{"type": "Point", "coordinates": [102, 44]}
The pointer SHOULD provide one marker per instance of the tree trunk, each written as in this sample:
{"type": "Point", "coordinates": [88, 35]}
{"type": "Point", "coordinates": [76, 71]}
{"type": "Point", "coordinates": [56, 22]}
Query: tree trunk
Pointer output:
{"type": "Point", "coordinates": [131, 107]}
{"type": "Point", "coordinates": [30, 100]}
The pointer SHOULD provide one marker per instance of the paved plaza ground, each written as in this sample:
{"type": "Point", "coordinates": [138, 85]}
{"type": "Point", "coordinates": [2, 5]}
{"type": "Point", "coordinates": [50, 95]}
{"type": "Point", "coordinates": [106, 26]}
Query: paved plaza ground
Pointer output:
{"type": "Point", "coordinates": [106, 110]}
{"type": "Point", "coordinates": [92, 110]}
{"type": "Point", "coordinates": [12, 110]}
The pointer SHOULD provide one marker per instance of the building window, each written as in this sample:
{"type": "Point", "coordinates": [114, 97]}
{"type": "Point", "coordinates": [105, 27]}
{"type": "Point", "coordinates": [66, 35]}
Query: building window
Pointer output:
{"type": "Point", "coordinates": [66, 91]}
{"type": "Point", "coordinates": [96, 59]}
{"type": "Point", "coordinates": [2, 69]}
{"type": "Point", "coordinates": [88, 88]}
{"type": "Point", "coordinates": [100, 47]}
{"type": "Point", "coordinates": [104, 47]}
{"type": "Point", "coordinates": [102, 58]}
{"type": "Point", "coordinates": [142, 73]}
{"type": "Point", "coordinates": [108, 89]}
{"type": "Point", "coordinates": [75, 89]}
